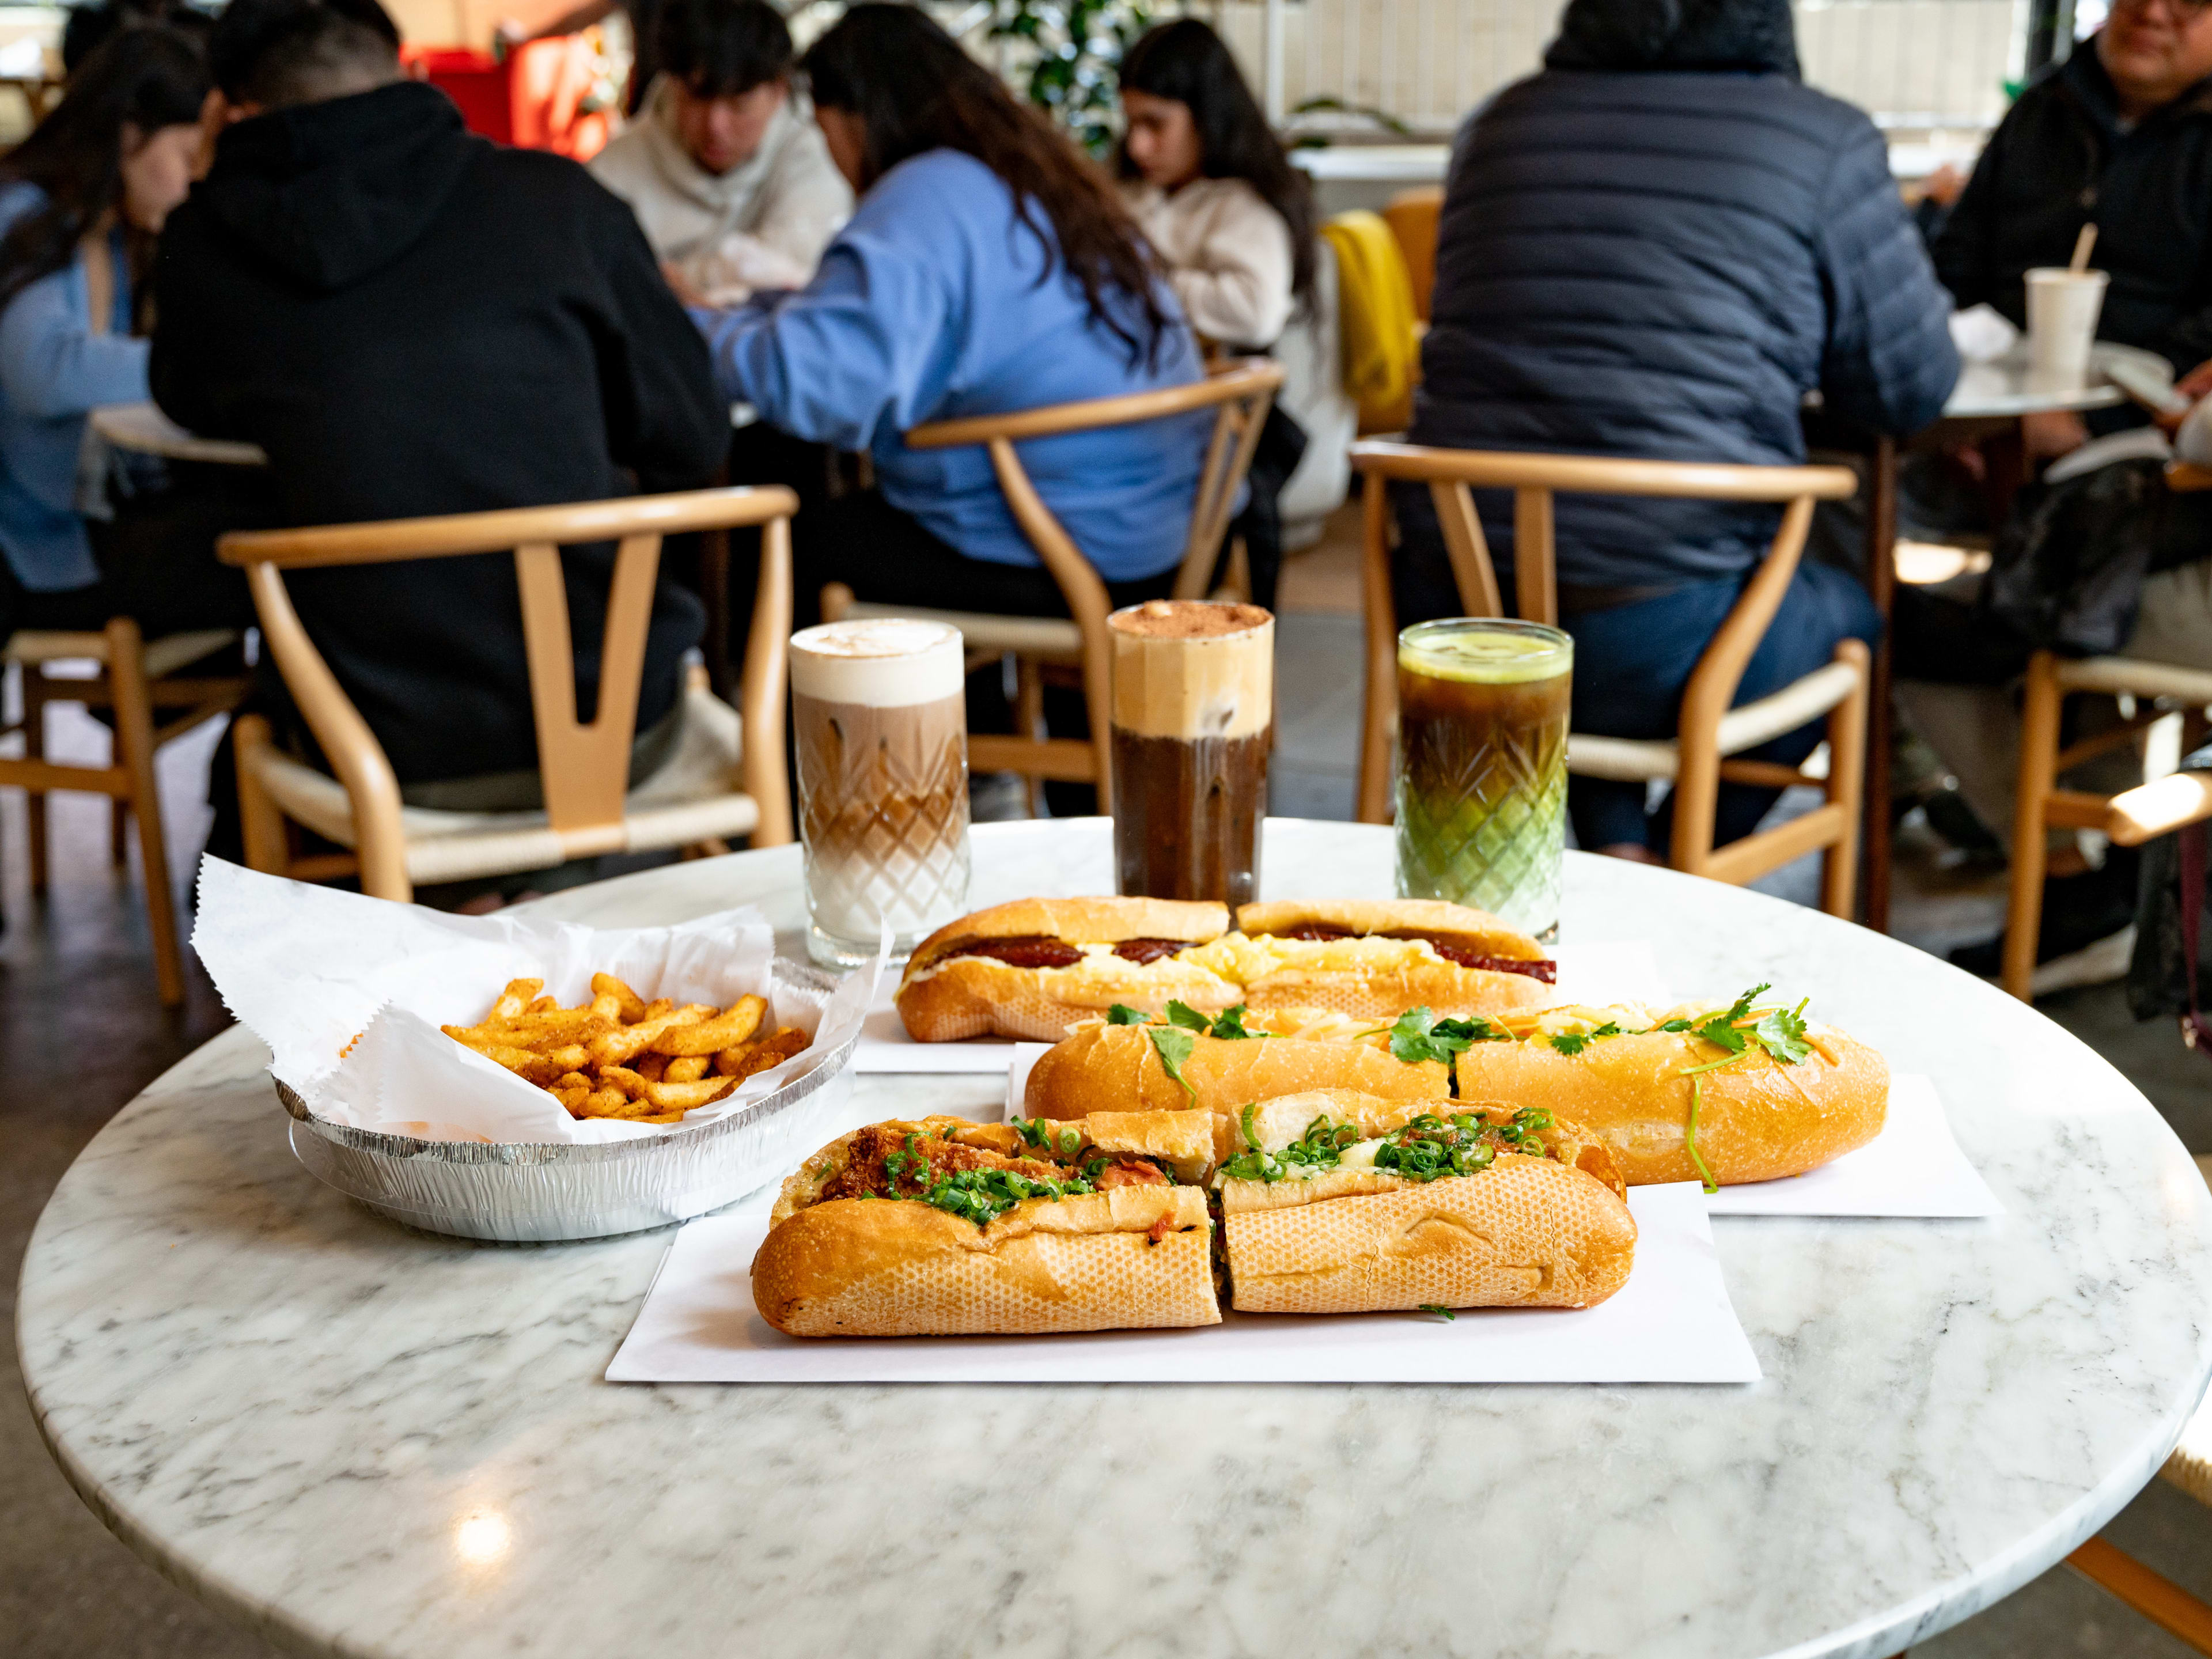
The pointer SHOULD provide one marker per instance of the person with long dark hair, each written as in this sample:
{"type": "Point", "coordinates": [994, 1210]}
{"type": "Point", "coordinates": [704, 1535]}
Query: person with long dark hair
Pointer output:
{"type": "Point", "coordinates": [1213, 188]}
{"type": "Point", "coordinates": [81, 201]}
{"type": "Point", "coordinates": [988, 268]}
{"type": "Point", "coordinates": [1215, 193]}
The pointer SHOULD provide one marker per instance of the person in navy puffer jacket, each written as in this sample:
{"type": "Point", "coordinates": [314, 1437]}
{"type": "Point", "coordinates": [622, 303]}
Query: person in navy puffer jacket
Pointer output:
{"type": "Point", "coordinates": [1654, 248]}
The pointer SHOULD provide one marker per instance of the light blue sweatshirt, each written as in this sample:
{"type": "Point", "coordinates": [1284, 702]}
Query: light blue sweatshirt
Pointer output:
{"type": "Point", "coordinates": [54, 370]}
{"type": "Point", "coordinates": [927, 307]}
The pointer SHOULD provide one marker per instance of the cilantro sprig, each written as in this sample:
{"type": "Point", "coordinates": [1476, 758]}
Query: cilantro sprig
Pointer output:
{"type": "Point", "coordinates": [1779, 1031]}
{"type": "Point", "coordinates": [1419, 1034]}
{"type": "Point", "coordinates": [1227, 1024]}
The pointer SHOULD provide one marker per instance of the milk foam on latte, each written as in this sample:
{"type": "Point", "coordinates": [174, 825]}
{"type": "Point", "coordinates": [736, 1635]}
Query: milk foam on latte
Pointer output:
{"type": "Point", "coordinates": [877, 662]}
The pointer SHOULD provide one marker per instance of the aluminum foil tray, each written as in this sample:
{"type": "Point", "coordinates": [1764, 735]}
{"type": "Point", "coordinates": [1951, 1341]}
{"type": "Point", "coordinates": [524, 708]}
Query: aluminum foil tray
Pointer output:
{"type": "Point", "coordinates": [537, 1193]}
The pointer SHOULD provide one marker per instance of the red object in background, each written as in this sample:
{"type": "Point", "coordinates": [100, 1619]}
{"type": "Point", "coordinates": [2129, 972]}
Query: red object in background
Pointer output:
{"type": "Point", "coordinates": [531, 100]}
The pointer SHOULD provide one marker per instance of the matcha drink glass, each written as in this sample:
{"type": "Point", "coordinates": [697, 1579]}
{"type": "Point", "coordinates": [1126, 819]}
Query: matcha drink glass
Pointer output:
{"type": "Point", "coordinates": [1482, 766]}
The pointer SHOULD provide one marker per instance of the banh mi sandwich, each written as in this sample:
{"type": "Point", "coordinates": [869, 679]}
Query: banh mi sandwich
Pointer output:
{"type": "Point", "coordinates": [1375, 958]}
{"type": "Point", "coordinates": [1216, 1064]}
{"type": "Point", "coordinates": [1337, 1203]}
{"type": "Point", "coordinates": [1725, 1094]}
{"type": "Point", "coordinates": [1035, 968]}
{"type": "Point", "coordinates": [942, 1226]}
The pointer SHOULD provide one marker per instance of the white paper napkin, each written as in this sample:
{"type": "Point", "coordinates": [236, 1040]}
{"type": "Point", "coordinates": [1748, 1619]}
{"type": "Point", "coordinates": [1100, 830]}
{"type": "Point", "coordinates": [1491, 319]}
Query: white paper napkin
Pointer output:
{"type": "Point", "coordinates": [349, 992]}
{"type": "Point", "coordinates": [1601, 972]}
{"type": "Point", "coordinates": [1672, 1323]}
{"type": "Point", "coordinates": [1912, 1168]}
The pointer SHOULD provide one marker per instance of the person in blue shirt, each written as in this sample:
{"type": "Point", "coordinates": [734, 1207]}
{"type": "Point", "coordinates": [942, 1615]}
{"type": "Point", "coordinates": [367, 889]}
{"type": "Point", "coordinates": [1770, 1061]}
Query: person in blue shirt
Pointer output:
{"type": "Point", "coordinates": [81, 201]}
{"type": "Point", "coordinates": [988, 268]}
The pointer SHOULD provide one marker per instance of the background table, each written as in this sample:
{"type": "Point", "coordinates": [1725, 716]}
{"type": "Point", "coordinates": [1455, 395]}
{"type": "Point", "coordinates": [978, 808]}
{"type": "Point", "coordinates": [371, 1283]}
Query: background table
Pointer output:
{"type": "Point", "coordinates": [373, 1442]}
{"type": "Point", "coordinates": [143, 428]}
{"type": "Point", "coordinates": [1989, 396]}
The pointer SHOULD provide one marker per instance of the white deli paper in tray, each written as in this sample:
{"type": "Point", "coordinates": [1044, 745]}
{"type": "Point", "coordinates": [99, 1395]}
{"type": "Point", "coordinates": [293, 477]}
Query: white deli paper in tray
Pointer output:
{"type": "Point", "coordinates": [1672, 1323]}
{"type": "Point", "coordinates": [349, 993]}
{"type": "Point", "coordinates": [1600, 972]}
{"type": "Point", "coordinates": [1912, 1168]}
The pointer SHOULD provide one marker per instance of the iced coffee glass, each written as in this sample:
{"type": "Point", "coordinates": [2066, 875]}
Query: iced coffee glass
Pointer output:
{"type": "Point", "coordinates": [880, 714]}
{"type": "Point", "coordinates": [1193, 715]}
{"type": "Point", "coordinates": [1482, 766]}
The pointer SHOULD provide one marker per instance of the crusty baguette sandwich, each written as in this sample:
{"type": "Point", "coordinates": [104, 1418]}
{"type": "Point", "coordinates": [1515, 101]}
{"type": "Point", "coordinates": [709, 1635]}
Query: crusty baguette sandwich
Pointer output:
{"type": "Point", "coordinates": [1375, 958]}
{"type": "Point", "coordinates": [1341, 1203]}
{"type": "Point", "coordinates": [944, 1226]}
{"type": "Point", "coordinates": [1034, 968]}
{"type": "Point", "coordinates": [1720, 1093]}
{"type": "Point", "coordinates": [1220, 1065]}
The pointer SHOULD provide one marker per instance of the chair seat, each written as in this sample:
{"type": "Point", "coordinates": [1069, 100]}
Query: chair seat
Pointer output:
{"type": "Point", "coordinates": [2130, 675]}
{"type": "Point", "coordinates": [693, 798]}
{"type": "Point", "coordinates": [163, 656]}
{"type": "Point", "coordinates": [1637, 760]}
{"type": "Point", "coordinates": [1049, 639]}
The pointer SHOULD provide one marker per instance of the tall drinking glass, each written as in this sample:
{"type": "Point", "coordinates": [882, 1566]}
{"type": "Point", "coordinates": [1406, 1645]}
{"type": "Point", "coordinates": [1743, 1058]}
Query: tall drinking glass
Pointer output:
{"type": "Point", "coordinates": [1194, 718]}
{"type": "Point", "coordinates": [1482, 766]}
{"type": "Point", "coordinates": [879, 709]}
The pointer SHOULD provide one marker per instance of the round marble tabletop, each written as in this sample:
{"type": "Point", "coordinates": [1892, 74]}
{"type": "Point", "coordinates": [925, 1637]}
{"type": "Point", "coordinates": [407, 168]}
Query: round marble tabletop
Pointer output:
{"type": "Point", "coordinates": [367, 1441]}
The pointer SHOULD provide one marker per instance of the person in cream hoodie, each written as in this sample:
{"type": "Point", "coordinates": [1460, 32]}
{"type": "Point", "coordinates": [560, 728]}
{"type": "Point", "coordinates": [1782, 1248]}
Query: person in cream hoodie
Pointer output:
{"type": "Point", "coordinates": [724, 167]}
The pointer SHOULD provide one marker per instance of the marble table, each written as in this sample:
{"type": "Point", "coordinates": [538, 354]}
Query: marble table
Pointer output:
{"type": "Point", "coordinates": [366, 1441]}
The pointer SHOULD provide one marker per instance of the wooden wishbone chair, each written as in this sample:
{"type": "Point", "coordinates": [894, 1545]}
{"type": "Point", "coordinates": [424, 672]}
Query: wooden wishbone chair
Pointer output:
{"type": "Point", "coordinates": [1240, 393]}
{"type": "Point", "coordinates": [726, 777]}
{"type": "Point", "coordinates": [1710, 731]}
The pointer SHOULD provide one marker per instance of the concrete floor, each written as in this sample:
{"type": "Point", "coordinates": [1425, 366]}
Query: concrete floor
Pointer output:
{"type": "Point", "coordinates": [80, 1032]}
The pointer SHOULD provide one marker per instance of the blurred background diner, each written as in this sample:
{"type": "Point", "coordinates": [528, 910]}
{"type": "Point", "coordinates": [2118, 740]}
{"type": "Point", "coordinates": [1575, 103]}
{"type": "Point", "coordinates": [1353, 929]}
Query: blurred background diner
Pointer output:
{"type": "Point", "coordinates": [1037, 310]}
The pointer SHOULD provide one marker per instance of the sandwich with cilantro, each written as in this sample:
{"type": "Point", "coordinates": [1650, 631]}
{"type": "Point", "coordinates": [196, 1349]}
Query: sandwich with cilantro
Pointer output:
{"type": "Point", "coordinates": [941, 1226]}
{"type": "Point", "coordinates": [1723, 1093]}
{"type": "Point", "coordinates": [1337, 1202]}
{"type": "Point", "coordinates": [1189, 1061]}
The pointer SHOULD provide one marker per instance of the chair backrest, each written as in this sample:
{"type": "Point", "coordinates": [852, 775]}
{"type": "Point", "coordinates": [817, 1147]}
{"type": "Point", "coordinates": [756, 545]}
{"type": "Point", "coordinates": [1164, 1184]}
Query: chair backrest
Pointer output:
{"type": "Point", "coordinates": [1452, 476]}
{"type": "Point", "coordinates": [1412, 217]}
{"type": "Point", "coordinates": [584, 768]}
{"type": "Point", "coordinates": [1239, 392]}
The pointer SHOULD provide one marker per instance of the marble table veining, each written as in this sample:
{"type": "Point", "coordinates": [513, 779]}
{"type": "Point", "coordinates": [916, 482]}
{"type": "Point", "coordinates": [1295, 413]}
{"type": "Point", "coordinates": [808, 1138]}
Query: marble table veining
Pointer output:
{"type": "Point", "coordinates": [367, 1441]}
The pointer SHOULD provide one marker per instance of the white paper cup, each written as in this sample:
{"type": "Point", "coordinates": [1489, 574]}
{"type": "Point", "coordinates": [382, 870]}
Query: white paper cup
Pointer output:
{"type": "Point", "coordinates": [2062, 322]}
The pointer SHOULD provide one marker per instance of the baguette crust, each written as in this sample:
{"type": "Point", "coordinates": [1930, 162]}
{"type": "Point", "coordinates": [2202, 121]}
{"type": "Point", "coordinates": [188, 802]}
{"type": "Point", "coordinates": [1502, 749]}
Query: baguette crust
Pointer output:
{"type": "Point", "coordinates": [977, 996]}
{"type": "Point", "coordinates": [1429, 918]}
{"type": "Point", "coordinates": [1384, 991]}
{"type": "Point", "coordinates": [1079, 921]}
{"type": "Point", "coordinates": [1527, 1232]}
{"type": "Point", "coordinates": [1115, 1068]}
{"type": "Point", "coordinates": [892, 1267]}
{"type": "Point", "coordinates": [1758, 1119]}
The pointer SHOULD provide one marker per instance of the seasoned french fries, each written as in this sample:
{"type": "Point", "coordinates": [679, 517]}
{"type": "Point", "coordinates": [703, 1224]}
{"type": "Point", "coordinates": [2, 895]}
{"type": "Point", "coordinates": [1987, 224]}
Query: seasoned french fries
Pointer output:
{"type": "Point", "coordinates": [621, 1056]}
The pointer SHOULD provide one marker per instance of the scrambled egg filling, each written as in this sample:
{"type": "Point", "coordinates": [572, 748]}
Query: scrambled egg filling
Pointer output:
{"type": "Point", "coordinates": [1242, 959]}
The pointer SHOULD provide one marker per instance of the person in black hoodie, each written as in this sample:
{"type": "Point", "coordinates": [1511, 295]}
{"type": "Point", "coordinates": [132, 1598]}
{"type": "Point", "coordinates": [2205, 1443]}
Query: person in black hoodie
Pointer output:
{"type": "Point", "coordinates": [1654, 248]}
{"type": "Point", "coordinates": [412, 320]}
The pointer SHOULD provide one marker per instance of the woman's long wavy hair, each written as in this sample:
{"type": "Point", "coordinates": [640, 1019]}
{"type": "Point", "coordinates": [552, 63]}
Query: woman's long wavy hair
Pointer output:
{"type": "Point", "coordinates": [912, 89]}
{"type": "Point", "coordinates": [145, 78]}
{"type": "Point", "coordinates": [1187, 62]}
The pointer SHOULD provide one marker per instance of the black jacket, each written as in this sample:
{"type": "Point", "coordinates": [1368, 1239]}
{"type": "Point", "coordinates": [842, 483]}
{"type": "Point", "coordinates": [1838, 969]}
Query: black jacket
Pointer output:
{"type": "Point", "coordinates": [1655, 248]}
{"type": "Point", "coordinates": [2059, 160]}
{"type": "Point", "coordinates": [410, 321]}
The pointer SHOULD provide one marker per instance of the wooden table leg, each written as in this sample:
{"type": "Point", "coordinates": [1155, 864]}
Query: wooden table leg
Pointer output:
{"type": "Point", "coordinates": [1881, 583]}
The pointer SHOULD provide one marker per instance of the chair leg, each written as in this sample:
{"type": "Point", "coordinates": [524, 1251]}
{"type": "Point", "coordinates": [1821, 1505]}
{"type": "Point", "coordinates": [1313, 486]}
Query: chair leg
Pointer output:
{"type": "Point", "coordinates": [1381, 618]}
{"type": "Point", "coordinates": [134, 752]}
{"type": "Point", "coordinates": [34, 748]}
{"type": "Point", "coordinates": [2039, 764]}
{"type": "Point", "coordinates": [1029, 721]}
{"type": "Point", "coordinates": [116, 814]}
{"type": "Point", "coordinates": [1847, 726]}
{"type": "Point", "coordinates": [2157, 1598]}
{"type": "Point", "coordinates": [267, 848]}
